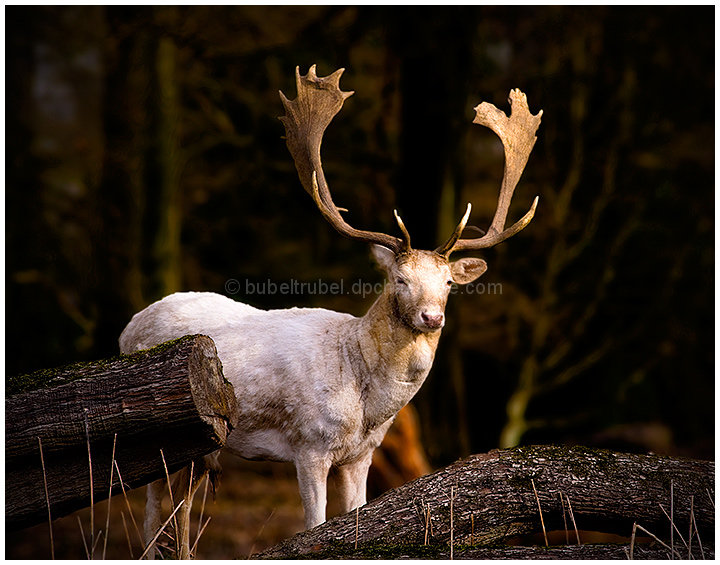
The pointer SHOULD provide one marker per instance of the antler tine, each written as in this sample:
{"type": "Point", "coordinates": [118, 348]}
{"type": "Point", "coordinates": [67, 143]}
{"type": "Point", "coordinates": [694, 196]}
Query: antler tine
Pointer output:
{"type": "Point", "coordinates": [403, 229]}
{"type": "Point", "coordinates": [319, 99]}
{"type": "Point", "coordinates": [450, 243]}
{"type": "Point", "coordinates": [517, 134]}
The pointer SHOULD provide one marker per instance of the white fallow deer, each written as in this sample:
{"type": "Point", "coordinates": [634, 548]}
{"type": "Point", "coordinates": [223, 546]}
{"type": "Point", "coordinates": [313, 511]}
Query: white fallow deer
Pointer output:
{"type": "Point", "coordinates": [320, 388]}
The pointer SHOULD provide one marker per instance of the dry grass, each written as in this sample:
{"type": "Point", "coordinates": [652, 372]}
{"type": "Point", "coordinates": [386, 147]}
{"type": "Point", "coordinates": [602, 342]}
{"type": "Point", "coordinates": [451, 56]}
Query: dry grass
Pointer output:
{"type": "Point", "coordinates": [452, 522]}
{"type": "Point", "coordinates": [692, 526]}
{"type": "Point", "coordinates": [248, 492]}
{"type": "Point", "coordinates": [47, 500]}
{"type": "Point", "coordinates": [161, 530]}
{"type": "Point", "coordinates": [257, 506]}
{"type": "Point", "coordinates": [572, 518]}
{"type": "Point", "coordinates": [542, 521]}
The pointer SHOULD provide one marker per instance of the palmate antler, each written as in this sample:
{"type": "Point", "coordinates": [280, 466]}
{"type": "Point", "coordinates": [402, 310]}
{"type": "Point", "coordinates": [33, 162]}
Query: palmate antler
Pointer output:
{"type": "Point", "coordinates": [320, 99]}
{"type": "Point", "coordinates": [306, 118]}
{"type": "Point", "coordinates": [517, 134]}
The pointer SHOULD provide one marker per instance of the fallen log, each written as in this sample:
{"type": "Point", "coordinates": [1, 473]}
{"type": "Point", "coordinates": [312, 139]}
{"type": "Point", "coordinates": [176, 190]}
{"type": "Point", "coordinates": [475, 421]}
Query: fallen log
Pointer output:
{"type": "Point", "coordinates": [481, 503]}
{"type": "Point", "coordinates": [646, 550]}
{"type": "Point", "coordinates": [172, 398]}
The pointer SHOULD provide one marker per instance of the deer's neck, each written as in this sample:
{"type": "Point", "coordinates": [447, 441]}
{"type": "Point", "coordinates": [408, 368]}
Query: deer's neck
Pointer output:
{"type": "Point", "coordinates": [393, 360]}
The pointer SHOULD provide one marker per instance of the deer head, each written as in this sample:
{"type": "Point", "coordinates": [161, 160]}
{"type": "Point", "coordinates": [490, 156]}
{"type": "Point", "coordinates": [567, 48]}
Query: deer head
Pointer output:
{"type": "Point", "coordinates": [419, 282]}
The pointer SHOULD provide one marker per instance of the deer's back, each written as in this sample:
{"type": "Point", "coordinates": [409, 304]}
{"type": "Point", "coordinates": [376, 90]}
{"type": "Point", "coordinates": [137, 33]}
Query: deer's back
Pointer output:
{"type": "Point", "coordinates": [292, 385]}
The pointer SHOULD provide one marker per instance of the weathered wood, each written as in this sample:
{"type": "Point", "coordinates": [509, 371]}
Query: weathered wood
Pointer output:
{"type": "Point", "coordinates": [644, 550]}
{"type": "Point", "coordinates": [494, 501]}
{"type": "Point", "coordinates": [172, 397]}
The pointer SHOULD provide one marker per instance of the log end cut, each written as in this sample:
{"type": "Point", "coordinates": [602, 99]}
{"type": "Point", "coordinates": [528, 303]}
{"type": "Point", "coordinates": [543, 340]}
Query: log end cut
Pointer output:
{"type": "Point", "coordinates": [214, 396]}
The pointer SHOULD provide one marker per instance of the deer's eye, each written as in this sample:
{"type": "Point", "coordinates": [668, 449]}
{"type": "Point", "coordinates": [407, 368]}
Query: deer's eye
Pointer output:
{"type": "Point", "coordinates": [450, 282]}
{"type": "Point", "coordinates": [401, 281]}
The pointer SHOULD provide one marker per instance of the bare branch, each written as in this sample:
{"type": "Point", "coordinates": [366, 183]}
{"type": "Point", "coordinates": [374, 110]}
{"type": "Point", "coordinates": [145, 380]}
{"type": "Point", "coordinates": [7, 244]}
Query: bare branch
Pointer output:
{"type": "Point", "coordinates": [578, 368]}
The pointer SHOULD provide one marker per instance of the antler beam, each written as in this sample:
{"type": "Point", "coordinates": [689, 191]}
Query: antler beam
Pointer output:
{"type": "Point", "coordinates": [319, 99]}
{"type": "Point", "coordinates": [517, 134]}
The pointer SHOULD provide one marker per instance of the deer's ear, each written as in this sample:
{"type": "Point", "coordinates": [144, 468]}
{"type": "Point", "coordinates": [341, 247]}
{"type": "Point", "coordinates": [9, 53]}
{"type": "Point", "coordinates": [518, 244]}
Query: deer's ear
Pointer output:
{"type": "Point", "coordinates": [385, 257]}
{"type": "Point", "coordinates": [467, 270]}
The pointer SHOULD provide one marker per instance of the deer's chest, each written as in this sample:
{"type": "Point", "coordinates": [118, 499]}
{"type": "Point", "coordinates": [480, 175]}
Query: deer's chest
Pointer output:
{"type": "Point", "coordinates": [413, 364]}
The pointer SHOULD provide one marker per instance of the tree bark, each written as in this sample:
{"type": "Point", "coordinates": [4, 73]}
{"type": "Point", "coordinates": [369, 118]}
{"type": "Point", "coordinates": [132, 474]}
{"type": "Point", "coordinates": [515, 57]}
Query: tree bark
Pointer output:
{"type": "Point", "coordinates": [494, 500]}
{"type": "Point", "coordinates": [172, 398]}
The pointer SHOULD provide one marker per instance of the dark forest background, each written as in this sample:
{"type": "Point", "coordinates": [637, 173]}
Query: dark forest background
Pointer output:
{"type": "Point", "coordinates": [144, 156]}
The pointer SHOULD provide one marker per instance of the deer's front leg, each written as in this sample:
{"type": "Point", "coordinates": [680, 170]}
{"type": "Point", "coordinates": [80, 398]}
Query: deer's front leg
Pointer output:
{"type": "Point", "coordinates": [351, 480]}
{"type": "Point", "coordinates": [312, 473]}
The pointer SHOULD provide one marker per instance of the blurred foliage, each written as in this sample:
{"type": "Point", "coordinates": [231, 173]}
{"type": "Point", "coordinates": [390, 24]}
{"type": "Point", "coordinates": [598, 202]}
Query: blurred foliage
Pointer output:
{"type": "Point", "coordinates": [144, 156]}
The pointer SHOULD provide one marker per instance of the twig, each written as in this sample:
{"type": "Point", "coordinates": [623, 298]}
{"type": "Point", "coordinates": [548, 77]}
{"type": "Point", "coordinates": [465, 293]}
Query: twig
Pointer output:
{"type": "Point", "coordinates": [200, 533]}
{"type": "Point", "coordinates": [127, 503]}
{"type": "Point", "coordinates": [97, 541]}
{"type": "Point", "coordinates": [92, 485]}
{"type": "Point", "coordinates": [562, 505]}
{"type": "Point", "coordinates": [157, 535]}
{"type": "Point", "coordinates": [202, 510]}
{"type": "Point", "coordinates": [190, 482]}
{"type": "Point", "coordinates": [127, 534]}
{"type": "Point", "coordinates": [632, 541]}
{"type": "Point", "coordinates": [472, 529]}
{"type": "Point", "coordinates": [357, 525]}
{"type": "Point", "coordinates": [657, 539]}
{"type": "Point", "coordinates": [697, 533]}
{"type": "Point", "coordinates": [452, 522]}
{"type": "Point", "coordinates": [172, 503]}
{"type": "Point", "coordinates": [47, 500]}
{"type": "Point", "coordinates": [427, 524]}
{"type": "Point", "coordinates": [188, 503]}
{"type": "Point", "coordinates": [107, 519]}
{"type": "Point", "coordinates": [682, 539]}
{"type": "Point", "coordinates": [672, 521]}
{"type": "Point", "coordinates": [572, 517]}
{"type": "Point", "coordinates": [82, 534]}
{"type": "Point", "coordinates": [712, 500]}
{"type": "Point", "coordinates": [262, 528]}
{"type": "Point", "coordinates": [542, 521]}
{"type": "Point", "coordinates": [692, 513]}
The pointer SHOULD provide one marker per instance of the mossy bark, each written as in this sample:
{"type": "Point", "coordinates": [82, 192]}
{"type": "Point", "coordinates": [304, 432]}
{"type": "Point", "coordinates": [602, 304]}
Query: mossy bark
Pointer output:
{"type": "Point", "coordinates": [494, 501]}
{"type": "Point", "coordinates": [172, 397]}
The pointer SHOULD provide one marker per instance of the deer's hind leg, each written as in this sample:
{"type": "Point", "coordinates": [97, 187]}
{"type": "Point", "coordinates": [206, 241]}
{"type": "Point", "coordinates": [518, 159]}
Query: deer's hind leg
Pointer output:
{"type": "Point", "coordinates": [183, 490]}
{"type": "Point", "coordinates": [153, 512]}
{"type": "Point", "coordinates": [185, 485]}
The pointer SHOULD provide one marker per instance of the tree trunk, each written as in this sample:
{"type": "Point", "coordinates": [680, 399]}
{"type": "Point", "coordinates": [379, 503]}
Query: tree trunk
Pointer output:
{"type": "Point", "coordinates": [163, 218]}
{"type": "Point", "coordinates": [493, 500]}
{"type": "Point", "coordinates": [172, 397]}
{"type": "Point", "coordinates": [120, 200]}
